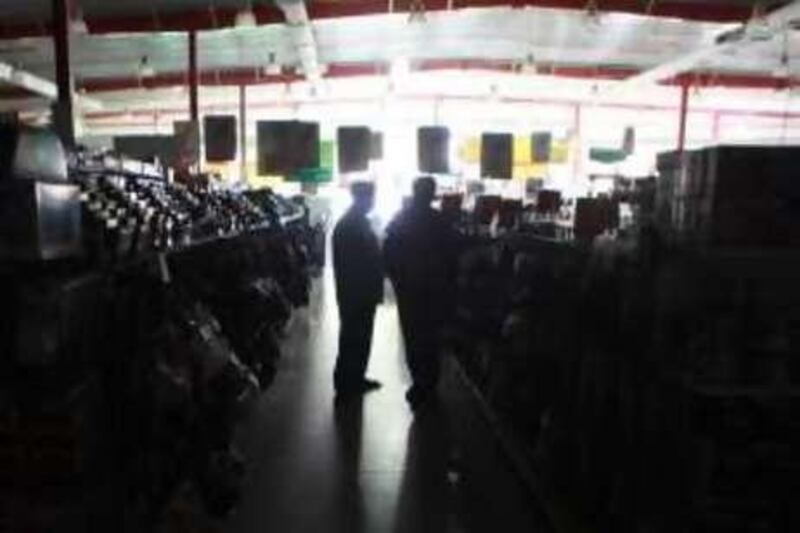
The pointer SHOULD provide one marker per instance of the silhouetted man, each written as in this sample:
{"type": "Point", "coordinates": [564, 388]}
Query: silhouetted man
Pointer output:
{"type": "Point", "coordinates": [359, 289]}
{"type": "Point", "coordinates": [419, 257]}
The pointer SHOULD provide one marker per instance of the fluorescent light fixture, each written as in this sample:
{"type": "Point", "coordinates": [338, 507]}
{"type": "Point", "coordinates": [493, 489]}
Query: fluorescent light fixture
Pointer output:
{"type": "Point", "coordinates": [494, 93]}
{"type": "Point", "coordinates": [400, 68]}
{"type": "Point", "coordinates": [319, 89]}
{"type": "Point", "coordinates": [758, 28]}
{"type": "Point", "coordinates": [295, 12]}
{"type": "Point", "coordinates": [417, 17]}
{"type": "Point", "coordinates": [416, 12]}
{"type": "Point", "coordinates": [78, 26]}
{"type": "Point", "coordinates": [697, 95]}
{"type": "Point", "coordinates": [529, 65]}
{"type": "Point", "coordinates": [146, 70]}
{"type": "Point", "coordinates": [782, 70]}
{"type": "Point", "coordinates": [591, 16]}
{"type": "Point", "coordinates": [273, 68]}
{"type": "Point", "coordinates": [246, 18]}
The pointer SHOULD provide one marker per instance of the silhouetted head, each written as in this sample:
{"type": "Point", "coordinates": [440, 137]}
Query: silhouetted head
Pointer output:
{"type": "Point", "coordinates": [424, 191]}
{"type": "Point", "coordinates": [363, 196]}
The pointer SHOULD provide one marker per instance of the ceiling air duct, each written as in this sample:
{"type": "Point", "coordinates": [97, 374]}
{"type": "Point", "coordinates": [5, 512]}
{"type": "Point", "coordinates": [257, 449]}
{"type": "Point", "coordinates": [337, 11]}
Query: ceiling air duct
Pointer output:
{"type": "Point", "coordinates": [302, 35]}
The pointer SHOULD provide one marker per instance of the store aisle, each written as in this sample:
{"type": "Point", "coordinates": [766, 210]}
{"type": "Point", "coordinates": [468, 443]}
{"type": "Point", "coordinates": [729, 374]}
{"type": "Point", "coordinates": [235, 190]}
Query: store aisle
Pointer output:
{"type": "Point", "coordinates": [370, 467]}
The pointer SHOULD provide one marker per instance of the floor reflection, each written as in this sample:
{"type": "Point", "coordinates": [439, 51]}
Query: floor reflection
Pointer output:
{"type": "Point", "coordinates": [428, 493]}
{"type": "Point", "coordinates": [348, 421]}
{"type": "Point", "coordinates": [371, 466]}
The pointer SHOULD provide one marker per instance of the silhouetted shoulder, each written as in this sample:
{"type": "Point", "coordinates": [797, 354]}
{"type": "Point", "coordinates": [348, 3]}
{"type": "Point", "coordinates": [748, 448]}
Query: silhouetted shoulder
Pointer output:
{"type": "Point", "coordinates": [397, 224]}
{"type": "Point", "coordinates": [348, 223]}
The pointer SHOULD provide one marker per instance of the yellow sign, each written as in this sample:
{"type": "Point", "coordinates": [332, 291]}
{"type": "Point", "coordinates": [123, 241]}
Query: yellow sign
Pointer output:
{"type": "Point", "coordinates": [524, 166]}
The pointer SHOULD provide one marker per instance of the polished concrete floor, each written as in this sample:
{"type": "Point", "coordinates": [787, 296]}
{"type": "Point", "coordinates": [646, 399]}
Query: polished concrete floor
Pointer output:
{"type": "Point", "coordinates": [372, 466]}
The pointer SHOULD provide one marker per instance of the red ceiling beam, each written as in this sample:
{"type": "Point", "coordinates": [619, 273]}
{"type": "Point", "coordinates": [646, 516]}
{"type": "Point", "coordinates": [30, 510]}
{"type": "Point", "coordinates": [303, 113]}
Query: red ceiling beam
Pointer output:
{"type": "Point", "coordinates": [349, 70]}
{"type": "Point", "coordinates": [564, 71]}
{"type": "Point", "coordinates": [213, 18]}
{"type": "Point", "coordinates": [739, 81]}
{"type": "Point", "coordinates": [181, 112]}
{"type": "Point", "coordinates": [196, 19]}
{"type": "Point", "coordinates": [736, 81]}
{"type": "Point", "coordinates": [465, 64]}
{"type": "Point", "coordinates": [700, 11]}
{"type": "Point", "coordinates": [593, 73]}
{"type": "Point", "coordinates": [248, 76]}
{"type": "Point", "coordinates": [254, 76]}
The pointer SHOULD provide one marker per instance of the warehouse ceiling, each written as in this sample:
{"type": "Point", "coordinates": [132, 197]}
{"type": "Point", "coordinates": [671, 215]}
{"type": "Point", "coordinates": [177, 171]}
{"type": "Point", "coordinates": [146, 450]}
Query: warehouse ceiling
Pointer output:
{"type": "Point", "coordinates": [553, 39]}
{"type": "Point", "coordinates": [35, 11]}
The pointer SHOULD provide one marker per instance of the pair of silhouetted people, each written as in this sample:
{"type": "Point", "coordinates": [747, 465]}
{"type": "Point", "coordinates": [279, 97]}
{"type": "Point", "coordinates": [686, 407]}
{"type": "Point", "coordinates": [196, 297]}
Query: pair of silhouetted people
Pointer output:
{"type": "Point", "coordinates": [419, 259]}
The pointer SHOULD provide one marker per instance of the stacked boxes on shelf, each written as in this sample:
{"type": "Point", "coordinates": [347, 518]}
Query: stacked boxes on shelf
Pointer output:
{"type": "Point", "coordinates": [730, 196]}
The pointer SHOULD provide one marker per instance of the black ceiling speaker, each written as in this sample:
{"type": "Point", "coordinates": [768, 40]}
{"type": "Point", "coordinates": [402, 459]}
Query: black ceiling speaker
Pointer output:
{"type": "Point", "coordinates": [220, 138]}
{"type": "Point", "coordinates": [497, 155]}
{"type": "Point", "coordinates": [541, 146]}
{"type": "Point", "coordinates": [629, 141]}
{"type": "Point", "coordinates": [286, 146]}
{"type": "Point", "coordinates": [354, 148]}
{"type": "Point", "coordinates": [306, 145]}
{"type": "Point", "coordinates": [272, 138]}
{"type": "Point", "coordinates": [376, 146]}
{"type": "Point", "coordinates": [433, 149]}
{"type": "Point", "coordinates": [147, 147]}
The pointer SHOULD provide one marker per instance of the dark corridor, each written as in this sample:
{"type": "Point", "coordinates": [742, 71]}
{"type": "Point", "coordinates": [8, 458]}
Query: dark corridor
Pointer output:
{"type": "Point", "coordinates": [371, 466]}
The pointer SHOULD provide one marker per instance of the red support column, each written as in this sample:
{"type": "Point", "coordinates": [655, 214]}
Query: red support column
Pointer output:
{"type": "Point", "coordinates": [578, 155]}
{"type": "Point", "coordinates": [63, 111]}
{"type": "Point", "coordinates": [685, 86]}
{"type": "Point", "coordinates": [194, 110]}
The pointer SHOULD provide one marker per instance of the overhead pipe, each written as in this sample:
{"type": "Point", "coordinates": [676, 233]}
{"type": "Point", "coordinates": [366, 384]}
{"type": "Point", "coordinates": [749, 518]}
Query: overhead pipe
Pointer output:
{"type": "Point", "coordinates": [777, 21]}
{"type": "Point", "coordinates": [302, 35]}
{"type": "Point", "coordinates": [39, 87]}
{"type": "Point", "coordinates": [29, 82]}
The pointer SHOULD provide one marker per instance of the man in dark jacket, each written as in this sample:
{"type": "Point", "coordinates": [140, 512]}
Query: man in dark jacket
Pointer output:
{"type": "Point", "coordinates": [419, 255]}
{"type": "Point", "coordinates": [359, 289]}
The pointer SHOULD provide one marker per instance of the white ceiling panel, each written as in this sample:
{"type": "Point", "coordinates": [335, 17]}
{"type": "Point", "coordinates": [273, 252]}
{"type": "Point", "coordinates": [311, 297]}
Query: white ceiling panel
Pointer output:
{"type": "Point", "coordinates": [552, 36]}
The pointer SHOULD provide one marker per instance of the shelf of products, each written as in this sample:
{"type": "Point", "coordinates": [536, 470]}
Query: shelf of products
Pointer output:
{"type": "Point", "coordinates": [129, 361]}
{"type": "Point", "coordinates": [651, 386]}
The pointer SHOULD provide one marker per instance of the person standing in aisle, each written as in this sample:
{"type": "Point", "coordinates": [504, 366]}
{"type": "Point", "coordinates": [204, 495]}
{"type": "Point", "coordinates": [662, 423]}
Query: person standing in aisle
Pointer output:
{"type": "Point", "coordinates": [419, 254]}
{"type": "Point", "coordinates": [358, 269]}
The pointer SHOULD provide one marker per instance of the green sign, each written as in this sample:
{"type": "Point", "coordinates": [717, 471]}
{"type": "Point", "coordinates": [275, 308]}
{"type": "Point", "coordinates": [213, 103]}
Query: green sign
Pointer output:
{"type": "Point", "coordinates": [608, 155]}
{"type": "Point", "coordinates": [313, 175]}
